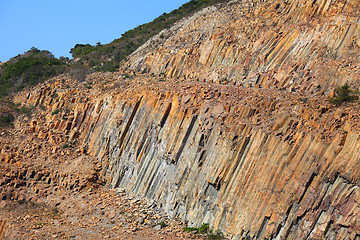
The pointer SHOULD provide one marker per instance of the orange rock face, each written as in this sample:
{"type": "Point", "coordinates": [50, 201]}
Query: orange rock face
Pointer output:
{"type": "Point", "coordinates": [300, 46]}
{"type": "Point", "coordinates": [231, 124]}
{"type": "Point", "coordinates": [252, 162]}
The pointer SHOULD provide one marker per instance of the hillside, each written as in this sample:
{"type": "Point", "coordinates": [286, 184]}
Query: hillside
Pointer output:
{"type": "Point", "coordinates": [28, 69]}
{"type": "Point", "coordinates": [225, 121]}
{"type": "Point", "coordinates": [297, 46]}
{"type": "Point", "coordinates": [107, 57]}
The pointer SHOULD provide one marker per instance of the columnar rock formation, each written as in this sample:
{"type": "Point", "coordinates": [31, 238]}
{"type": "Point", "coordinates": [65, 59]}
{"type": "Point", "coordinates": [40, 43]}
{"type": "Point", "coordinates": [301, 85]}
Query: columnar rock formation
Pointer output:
{"type": "Point", "coordinates": [261, 162]}
{"type": "Point", "coordinates": [250, 162]}
{"type": "Point", "coordinates": [303, 46]}
{"type": "Point", "coordinates": [2, 228]}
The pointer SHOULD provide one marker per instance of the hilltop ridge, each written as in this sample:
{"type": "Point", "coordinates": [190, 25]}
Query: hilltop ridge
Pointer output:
{"type": "Point", "coordinates": [107, 57]}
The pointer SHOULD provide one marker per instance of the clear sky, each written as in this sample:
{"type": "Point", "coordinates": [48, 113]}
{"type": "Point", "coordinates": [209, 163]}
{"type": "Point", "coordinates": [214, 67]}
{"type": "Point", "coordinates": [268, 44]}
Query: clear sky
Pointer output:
{"type": "Point", "coordinates": [57, 26]}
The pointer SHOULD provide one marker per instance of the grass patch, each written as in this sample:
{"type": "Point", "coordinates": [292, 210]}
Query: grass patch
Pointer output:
{"type": "Point", "coordinates": [55, 112]}
{"type": "Point", "coordinates": [190, 229]}
{"type": "Point", "coordinates": [342, 94]}
{"type": "Point", "coordinates": [204, 228]}
{"type": "Point", "coordinates": [163, 224]}
{"type": "Point", "coordinates": [6, 119]}
{"type": "Point", "coordinates": [55, 212]}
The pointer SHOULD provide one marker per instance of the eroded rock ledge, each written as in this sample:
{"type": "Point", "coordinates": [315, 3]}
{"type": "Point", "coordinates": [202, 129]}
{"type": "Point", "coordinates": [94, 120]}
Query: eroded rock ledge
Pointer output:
{"type": "Point", "coordinates": [300, 46]}
{"type": "Point", "coordinates": [252, 162]}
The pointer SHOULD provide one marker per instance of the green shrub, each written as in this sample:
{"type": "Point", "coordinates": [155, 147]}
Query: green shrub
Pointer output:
{"type": "Point", "coordinates": [204, 228]}
{"type": "Point", "coordinates": [190, 229]}
{"type": "Point", "coordinates": [342, 94]}
{"type": "Point", "coordinates": [163, 224]}
{"type": "Point", "coordinates": [55, 112]}
{"type": "Point", "coordinates": [6, 119]}
{"type": "Point", "coordinates": [81, 49]}
{"type": "Point", "coordinates": [28, 69]}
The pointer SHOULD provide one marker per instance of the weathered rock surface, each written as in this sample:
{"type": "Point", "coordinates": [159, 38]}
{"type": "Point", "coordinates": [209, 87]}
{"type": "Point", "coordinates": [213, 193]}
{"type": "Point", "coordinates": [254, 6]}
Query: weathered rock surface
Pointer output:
{"type": "Point", "coordinates": [2, 228]}
{"type": "Point", "coordinates": [302, 46]}
{"type": "Point", "coordinates": [252, 162]}
{"type": "Point", "coordinates": [51, 189]}
{"type": "Point", "coordinates": [92, 214]}
{"type": "Point", "coordinates": [272, 162]}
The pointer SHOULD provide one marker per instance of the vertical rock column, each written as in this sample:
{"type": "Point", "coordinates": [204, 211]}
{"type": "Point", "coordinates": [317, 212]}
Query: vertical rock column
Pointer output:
{"type": "Point", "coordinates": [242, 179]}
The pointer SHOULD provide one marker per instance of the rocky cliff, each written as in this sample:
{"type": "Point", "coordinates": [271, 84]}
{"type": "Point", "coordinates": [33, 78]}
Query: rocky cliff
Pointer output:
{"type": "Point", "coordinates": [300, 46]}
{"type": "Point", "coordinates": [272, 161]}
{"type": "Point", "coordinates": [250, 162]}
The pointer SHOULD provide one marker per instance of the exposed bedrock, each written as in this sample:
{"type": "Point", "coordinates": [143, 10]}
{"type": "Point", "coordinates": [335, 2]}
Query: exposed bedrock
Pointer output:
{"type": "Point", "coordinates": [276, 161]}
{"type": "Point", "coordinates": [243, 181]}
{"type": "Point", "coordinates": [300, 46]}
{"type": "Point", "coordinates": [251, 165]}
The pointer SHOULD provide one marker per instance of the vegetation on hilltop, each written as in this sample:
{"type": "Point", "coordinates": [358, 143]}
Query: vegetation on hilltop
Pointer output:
{"type": "Point", "coordinates": [35, 66]}
{"type": "Point", "coordinates": [30, 68]}
{"type": "Point", "coordinates": [107, 57]}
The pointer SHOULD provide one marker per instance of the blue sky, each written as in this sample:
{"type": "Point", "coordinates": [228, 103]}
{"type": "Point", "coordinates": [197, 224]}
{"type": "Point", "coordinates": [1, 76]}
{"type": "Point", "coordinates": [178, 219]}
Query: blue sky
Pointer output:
{"type": "Point", "coordinates": [58, 25]}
